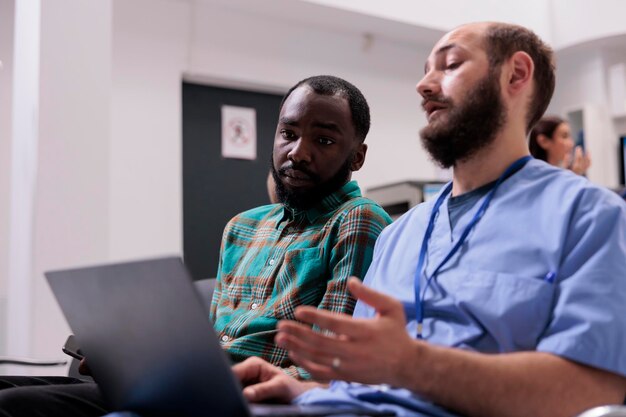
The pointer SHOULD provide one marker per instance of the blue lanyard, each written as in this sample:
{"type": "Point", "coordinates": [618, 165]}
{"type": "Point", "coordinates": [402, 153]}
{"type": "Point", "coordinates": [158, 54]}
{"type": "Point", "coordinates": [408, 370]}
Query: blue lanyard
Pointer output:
{"type": "Point", "coordinates": [419, 295]}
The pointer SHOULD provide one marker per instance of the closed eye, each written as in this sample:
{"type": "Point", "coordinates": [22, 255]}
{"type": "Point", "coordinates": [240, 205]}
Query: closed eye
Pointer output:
{"type": "Point", "coordinates": [453, 65]}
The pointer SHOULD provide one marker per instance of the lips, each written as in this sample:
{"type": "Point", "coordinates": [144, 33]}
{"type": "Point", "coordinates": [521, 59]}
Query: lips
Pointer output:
{"type": "Point", "coordinates": [296, 177]}
{"type": "Point", "coordinates": [432, 108]}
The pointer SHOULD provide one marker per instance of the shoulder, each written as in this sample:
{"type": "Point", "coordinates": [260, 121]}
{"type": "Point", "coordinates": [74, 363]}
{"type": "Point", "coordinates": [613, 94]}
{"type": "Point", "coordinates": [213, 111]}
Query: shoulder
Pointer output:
{"type": "Point", "coordinates": [361, 209]}
{"type": "Point", "coordinates": [254, 217]}
{"type": "Point", "coordinates": [259, 212]}
{"type": "Point", "coordinates": [585, 217]}
{"type": "Point", "coordinates": [573, 193]}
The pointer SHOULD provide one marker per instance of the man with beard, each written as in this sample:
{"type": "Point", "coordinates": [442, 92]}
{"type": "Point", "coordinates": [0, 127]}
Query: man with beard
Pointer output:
{"type": "Point", "coordinates": [504, 296]}
{"type": "Point", "coordinates": [303, 250]}
{"type": "Point", "coordinates": [276, 257]}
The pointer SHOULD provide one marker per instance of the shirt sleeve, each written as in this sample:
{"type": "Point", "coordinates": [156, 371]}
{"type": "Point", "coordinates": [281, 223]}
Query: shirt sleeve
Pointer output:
{"type": "Point", "coordinates": [351, 254]}
{"type": "Point", "coordinates": [217, 291]}
{"type": "Point", "coordinates": [588, 324]}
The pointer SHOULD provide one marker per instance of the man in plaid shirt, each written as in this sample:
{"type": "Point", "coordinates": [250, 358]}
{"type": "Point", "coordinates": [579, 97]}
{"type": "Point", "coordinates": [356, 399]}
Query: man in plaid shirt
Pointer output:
{"type": "Point", "coordinates": [303, 250]}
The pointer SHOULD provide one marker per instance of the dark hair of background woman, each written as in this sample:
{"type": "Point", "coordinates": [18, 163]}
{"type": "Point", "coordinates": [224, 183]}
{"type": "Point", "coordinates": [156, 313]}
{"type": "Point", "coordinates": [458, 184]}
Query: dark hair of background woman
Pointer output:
{"type": "Point", "coordinates": [545, 126]}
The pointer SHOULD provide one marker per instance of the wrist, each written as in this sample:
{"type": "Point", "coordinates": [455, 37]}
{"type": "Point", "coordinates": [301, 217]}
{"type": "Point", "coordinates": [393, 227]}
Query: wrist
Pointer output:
{"type": "Point", "coordinates": [412, 369]}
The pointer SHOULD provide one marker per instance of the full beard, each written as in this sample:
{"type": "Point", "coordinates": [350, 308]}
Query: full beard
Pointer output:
{"type": "Point", "coordinates": [309, 197]}
{"type": "Point", "coordinates": [470, 126]}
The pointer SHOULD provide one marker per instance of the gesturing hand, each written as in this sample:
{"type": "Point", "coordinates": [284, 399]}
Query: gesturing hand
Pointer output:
{"type": "Point", "coordinates": [370, 351]}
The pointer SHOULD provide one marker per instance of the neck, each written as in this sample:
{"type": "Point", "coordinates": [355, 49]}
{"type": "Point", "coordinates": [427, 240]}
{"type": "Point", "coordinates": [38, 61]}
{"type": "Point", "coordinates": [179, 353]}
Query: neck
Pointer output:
{"type": "Point", "coordinates": [489, 163]}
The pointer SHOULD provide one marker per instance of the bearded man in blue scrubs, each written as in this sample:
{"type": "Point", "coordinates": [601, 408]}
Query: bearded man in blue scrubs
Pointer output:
{"type": "Point", "coordinates": [502, 297]}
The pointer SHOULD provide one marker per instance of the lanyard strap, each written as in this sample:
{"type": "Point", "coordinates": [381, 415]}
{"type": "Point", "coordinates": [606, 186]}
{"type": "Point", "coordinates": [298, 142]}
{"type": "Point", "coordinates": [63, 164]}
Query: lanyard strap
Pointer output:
{"type": "Point", "coordinates": [419, 295]}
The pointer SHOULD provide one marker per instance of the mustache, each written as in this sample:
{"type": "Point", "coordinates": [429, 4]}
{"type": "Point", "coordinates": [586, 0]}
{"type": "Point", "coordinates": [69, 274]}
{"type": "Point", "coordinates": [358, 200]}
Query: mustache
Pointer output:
{"type": "Point", "coordinates": [436, 99]}
{"type": "Point", "coordinates": [295, 167]}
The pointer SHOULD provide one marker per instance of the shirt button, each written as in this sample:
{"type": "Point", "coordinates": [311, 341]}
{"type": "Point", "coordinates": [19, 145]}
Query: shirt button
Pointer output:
{"type": "Point", "coordinates": [272, 262]}
{"type": "Point", "coordinates": [254, 306]}
{"type": "Point", "coordinates": [225, 338]}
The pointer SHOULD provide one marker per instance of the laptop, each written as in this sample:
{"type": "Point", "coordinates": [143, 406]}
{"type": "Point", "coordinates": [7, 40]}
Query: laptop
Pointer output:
{"type": "Point", "coordinates": [151, 346]}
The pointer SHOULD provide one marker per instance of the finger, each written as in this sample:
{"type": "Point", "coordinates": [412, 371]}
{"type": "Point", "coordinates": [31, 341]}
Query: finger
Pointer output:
{"type": "Point", "coordinates": [384, 304]}
{"type": "Point", "coordinates": [336, 323]}
{"type": "Point", "coordinates": [321, 349]}
{"type": "Point", "coordinates": [318, 371]}
{"type": "Point", "coordinates": [274, 389]}
{"type": "Point", "coordinates": [248, 370]}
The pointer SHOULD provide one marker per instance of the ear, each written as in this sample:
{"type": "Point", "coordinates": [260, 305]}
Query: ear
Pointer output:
{"type": "Point", "coordinates": [544, 141]}
{"type": "Point", "coordinates": [359, 157]}
{"type": "Point", "coordinates": [520, 72]}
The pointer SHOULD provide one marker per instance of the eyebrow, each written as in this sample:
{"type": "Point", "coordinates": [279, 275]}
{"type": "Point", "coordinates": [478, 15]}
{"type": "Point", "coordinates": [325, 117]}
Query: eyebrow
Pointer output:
{"type": "Point", "coordinates": [322, 125]}
{"type": "Point", "coordinates": [287, 121]}
{"type": "Point", "coordinates": [440, 51]}
{"type": "Point", "coordinates": [328, 126]}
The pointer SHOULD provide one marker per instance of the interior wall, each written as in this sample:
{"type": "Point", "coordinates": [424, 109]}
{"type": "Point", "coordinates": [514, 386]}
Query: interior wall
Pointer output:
{"type": "Point", "coordinates": [579, 21]}
{"type": "Point", "coordinates": [71, 224]}
{"type": "Point", "coordinates": [150, 51]}
{"type": "Point", "coordinates": [22, 170]}
{"type": "Point", "coordinates": [7, 10]}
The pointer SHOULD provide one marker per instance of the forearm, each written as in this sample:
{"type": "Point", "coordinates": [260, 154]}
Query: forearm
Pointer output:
{"type": "Point", "coordinates": [515, 384]}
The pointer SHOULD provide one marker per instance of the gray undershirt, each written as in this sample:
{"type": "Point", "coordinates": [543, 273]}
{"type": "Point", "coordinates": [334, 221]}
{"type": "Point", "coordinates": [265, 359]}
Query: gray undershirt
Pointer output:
{"type": "Point", "coordinates": [459, 205]}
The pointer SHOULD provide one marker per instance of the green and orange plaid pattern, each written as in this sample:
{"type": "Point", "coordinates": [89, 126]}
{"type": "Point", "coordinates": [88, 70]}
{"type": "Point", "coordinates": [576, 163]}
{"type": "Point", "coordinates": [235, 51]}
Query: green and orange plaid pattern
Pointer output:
{"type": "Point", "coordinates": [273, 260]}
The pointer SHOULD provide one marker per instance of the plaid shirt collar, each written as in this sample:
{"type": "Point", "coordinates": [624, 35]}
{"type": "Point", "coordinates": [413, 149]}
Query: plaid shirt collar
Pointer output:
{"type": "Point", "coordinates": [327, 205]}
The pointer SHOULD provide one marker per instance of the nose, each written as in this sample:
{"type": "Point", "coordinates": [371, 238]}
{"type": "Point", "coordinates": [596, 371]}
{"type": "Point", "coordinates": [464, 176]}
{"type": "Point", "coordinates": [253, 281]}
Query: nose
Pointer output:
{"type": "Point", "coordinates": [300, 153]}
{"type": "Point", "coordinates": [428, 85]}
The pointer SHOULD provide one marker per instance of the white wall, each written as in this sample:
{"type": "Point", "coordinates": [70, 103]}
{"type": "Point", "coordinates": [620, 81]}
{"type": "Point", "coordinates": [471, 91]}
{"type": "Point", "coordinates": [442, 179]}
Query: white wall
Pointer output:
{"type": "Point", "coordinates": [150, 49]}
{"type": "Point", "coordinates": [23, 169]}
{"type": "Point", "coordinates": [7, 10]}
{"type": "Point", "coordinates": [71, 211]}
{"type": "Point", "coordinates": [579, 21]}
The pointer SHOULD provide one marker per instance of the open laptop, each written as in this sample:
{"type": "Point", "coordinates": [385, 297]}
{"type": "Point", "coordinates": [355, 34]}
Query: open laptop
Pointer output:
{"type": "Point", "coordinates": [151, 346]}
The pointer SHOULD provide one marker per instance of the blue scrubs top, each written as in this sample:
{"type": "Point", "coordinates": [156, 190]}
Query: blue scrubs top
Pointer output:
{"type": "Point", "coordinates": [544, 270]}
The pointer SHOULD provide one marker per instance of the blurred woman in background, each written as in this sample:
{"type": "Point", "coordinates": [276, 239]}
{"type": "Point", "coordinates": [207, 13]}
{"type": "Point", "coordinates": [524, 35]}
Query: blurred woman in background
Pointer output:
{"type": "Point", "coordinates": [551, 141]}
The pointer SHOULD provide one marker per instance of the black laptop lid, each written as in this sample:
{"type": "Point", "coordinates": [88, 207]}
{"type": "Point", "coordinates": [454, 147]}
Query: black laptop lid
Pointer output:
{"type": "Point", "coordinates": [148, 339]}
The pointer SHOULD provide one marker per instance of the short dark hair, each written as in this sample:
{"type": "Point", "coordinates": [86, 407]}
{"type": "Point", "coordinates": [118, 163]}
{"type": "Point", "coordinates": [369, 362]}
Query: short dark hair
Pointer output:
{"type": "Point", "coordinates": [502, 41]}
{"type": "Point", "coordinates": [545, 126]}
{"type": "Point", "coordinates": [329, 85]}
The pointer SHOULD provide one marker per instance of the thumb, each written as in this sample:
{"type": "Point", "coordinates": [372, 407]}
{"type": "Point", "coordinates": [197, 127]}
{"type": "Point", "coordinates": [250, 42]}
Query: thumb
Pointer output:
{"type": "Point", "coordinates": [383, 304]}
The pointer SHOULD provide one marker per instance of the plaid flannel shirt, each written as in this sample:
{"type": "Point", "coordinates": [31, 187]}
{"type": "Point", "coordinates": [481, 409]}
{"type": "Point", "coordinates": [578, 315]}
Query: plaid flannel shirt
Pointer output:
{"type": "Point", "coordinates": [273, 259]}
